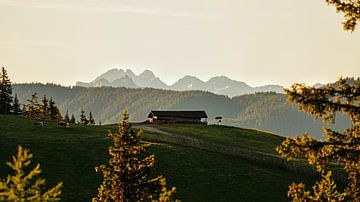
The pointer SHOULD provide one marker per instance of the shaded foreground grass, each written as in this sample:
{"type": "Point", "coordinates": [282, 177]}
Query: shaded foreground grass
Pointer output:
{"type": "Point", "coordinates": [70, 155]}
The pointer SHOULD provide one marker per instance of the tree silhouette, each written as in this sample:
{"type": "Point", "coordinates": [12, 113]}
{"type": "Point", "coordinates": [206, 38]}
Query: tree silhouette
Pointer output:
{"type": "Point", "coordinates": [5, 92]}
{"type": "Point", "coordinates": [45, 107]}
{"type": "Point", "coordinates": [83, 119]}
{"type": "Point", "coordinates": [340, 147]}
{"type": "Point", "coordinates": [91, 119]}
{"type": "Point", "coordinates": [72, 119]}
{"type": "Point", "coordinates": [16, 106]}
{"type": "Point", "coordinates": [54, 111]}
{"type": "Point", "coordinates": [66, 117]}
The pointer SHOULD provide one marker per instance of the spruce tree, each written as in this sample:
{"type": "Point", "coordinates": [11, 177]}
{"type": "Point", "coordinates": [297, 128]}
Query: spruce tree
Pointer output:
{"type": "Point", "coordinates": [66, 117]}
{"type": "Point", "coordinates": [16, 106]}
{"type": "Point", "coordinates": [45, 108]}
{"type": "Point", "coordinates": [339, 147]}
{"type": "Point", "coordinates": [54, 111]}
{"type": "Point", "coordinates": [91, 119]}
{"type": "Point", "coordinates": [22, 185]}
{"type": "Point", "coordinates": [126, 176]}
{"type": "Point", "coordinates": [5, 93]}
{"type": "Point", "coordinates": [33, 108]}
{"type": "Point", "coordinates": [83, 119]}
{"type": "Point", "coordinates": [72, 119]}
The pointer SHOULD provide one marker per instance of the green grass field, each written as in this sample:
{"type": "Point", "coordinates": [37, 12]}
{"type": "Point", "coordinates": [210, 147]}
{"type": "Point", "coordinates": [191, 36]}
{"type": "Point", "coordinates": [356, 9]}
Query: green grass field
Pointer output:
{"type": "Point", "coordinates": [187, 155]}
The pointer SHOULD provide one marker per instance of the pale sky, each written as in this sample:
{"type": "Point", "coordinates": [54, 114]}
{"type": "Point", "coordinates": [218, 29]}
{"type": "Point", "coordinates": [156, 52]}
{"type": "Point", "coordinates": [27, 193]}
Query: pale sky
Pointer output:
{"type": "Point", "coordinates": [255, 41]}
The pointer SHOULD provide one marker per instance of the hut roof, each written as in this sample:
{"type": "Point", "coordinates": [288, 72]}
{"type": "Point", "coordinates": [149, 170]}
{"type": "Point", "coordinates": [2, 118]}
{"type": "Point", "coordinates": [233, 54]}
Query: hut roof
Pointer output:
{"type": "Point", "coordinates": [182, 114]}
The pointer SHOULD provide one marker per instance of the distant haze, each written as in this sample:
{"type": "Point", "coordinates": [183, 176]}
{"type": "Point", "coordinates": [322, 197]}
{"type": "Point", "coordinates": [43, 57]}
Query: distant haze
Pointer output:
{"type": "Point", "coordinates": [255, 41]}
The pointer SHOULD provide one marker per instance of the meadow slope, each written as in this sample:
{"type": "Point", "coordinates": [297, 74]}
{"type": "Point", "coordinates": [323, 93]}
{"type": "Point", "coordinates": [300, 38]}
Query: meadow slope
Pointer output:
{"type": "Point", "coordinates": [199, 160]}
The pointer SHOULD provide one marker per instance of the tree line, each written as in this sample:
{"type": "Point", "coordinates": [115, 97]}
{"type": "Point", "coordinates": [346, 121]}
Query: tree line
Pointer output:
{"type": "Point", "coordinates": [46, 109]}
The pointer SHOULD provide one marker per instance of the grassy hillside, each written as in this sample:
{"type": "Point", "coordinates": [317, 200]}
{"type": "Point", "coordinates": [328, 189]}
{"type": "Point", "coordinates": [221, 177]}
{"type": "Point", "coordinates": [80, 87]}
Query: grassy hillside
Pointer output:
{"type": "Point", "coordinates": [264, 111]}
{"type": "Point", "coordinates": [199, 160]}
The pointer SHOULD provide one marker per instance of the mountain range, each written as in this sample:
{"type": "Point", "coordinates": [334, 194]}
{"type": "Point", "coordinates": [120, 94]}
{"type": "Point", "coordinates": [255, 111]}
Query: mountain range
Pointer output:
{"type": "Point", "coordinates": [221, 85]}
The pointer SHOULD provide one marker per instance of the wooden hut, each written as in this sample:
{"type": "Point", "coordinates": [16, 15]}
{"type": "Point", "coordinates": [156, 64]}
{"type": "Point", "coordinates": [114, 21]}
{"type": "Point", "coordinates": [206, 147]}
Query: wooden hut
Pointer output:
{"type": "Point", "coordinates": [168, 117]}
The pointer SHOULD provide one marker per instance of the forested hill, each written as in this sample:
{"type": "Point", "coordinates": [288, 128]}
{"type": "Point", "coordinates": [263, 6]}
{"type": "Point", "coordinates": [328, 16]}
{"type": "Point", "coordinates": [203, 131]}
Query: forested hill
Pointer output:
{"type": "Point", "coordinates": [265, 111]}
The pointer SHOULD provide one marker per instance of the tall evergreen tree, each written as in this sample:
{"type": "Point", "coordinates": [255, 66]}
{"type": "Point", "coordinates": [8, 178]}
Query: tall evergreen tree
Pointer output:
{"type": "Point", "coordinates": [91, 119]}
{"type": "Point", "coordinates": [33, 108]}
{"type": "Point", "coordinates": [83, 119]}
{"type": "Point", "coordinates": [16, 106]}
{"type": "Point", "coordinates": [66, 117]}
{"type": "Point", "coordinates": [5, 93]}
{"type": "Point", "coordinates": [54, 111]}
{"type": "Point", "coordinates": [125, 177]}
{"type": "Point", "coordinates": [72, 119]}
{"type": "Point", "coordinates": [45, 107]}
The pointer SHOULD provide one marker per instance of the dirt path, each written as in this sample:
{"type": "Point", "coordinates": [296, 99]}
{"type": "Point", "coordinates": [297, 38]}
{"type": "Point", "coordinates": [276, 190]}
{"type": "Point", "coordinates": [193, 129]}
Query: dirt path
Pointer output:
{"type": "Point", "coordinates": [152, 129]}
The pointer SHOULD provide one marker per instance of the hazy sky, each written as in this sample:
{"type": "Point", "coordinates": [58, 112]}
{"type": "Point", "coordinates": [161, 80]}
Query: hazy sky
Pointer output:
{"type": "Point", "coordinates": [256, 41]}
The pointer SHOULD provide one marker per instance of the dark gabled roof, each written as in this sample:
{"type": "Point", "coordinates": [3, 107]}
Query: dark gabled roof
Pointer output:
{"type": "Point", "coordinates": [182, 114]}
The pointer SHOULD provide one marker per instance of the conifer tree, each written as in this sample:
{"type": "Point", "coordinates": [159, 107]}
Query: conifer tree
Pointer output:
{"type": "Point", "coordinates": [72, 119]}
{"type": "Point", "coordinates": [54, 111]}
{"type": "Point", "coordinates": [33, 108]}
{"type": "Point", "coordinates": [45, 108]}
{"type": "Point", "coordinates": [125, 177]}
{"type": "Point", "coordinates": [83, 119]}
{"type": "Point", "coordinates": [91, 119]}
{"type": "Point", "coordinates": [5, 93]}
{"type": "Point", "coordinates": [16, 106]}
{"type": "Point", "coordinates": [351, 10]}
{"type": "Point", "coordinates": [20, 186]}
{"type": "Point", "coordinates": [66, 117]}
{"type": "Point", "coordinates": [340, 147]}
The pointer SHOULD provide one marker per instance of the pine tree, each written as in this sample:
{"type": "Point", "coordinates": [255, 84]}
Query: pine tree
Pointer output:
{"type": "Point", "coordinates": [66, 118]}
{"type": "Point", "coordinates": [16, 106]}
{"type": "Point", "coordinates": [340, 147]}
{"type": "Point", "coordinates": [125, 177]}
{"type": "Point", "coordinates": [91, 119]}
{"type": "Point", "coordinates": [72, 119]}
{"type": "Point", "coordinates": [351, 10]}
{"type": "Point", "coordinates": [54, 111]}
{"type": "Point", "coordinates": [5, 93]}
{"type": "Point", "coordinates": [83, 119]}
{"type": "Point", "coordinates": [45, 108]}
{"type": "Point", "coordinates": [33, 109]}
{"type": "Point", "coordinates": [20, 186]}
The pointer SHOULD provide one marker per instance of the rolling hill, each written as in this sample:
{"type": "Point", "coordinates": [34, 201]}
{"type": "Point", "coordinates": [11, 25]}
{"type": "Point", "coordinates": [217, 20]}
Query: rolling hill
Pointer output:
{"type": "Point", "coordinates": [201, 161]}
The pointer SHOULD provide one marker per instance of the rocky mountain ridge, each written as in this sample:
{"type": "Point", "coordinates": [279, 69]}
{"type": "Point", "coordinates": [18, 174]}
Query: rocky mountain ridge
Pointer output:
{"type": "Point", "coordinates": [221, 85]}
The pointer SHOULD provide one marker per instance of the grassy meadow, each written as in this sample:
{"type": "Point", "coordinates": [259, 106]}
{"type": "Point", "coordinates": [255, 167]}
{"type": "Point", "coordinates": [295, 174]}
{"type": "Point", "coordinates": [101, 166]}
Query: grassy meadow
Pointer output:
{"type": "Point", "coordinates": [205, 163]}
